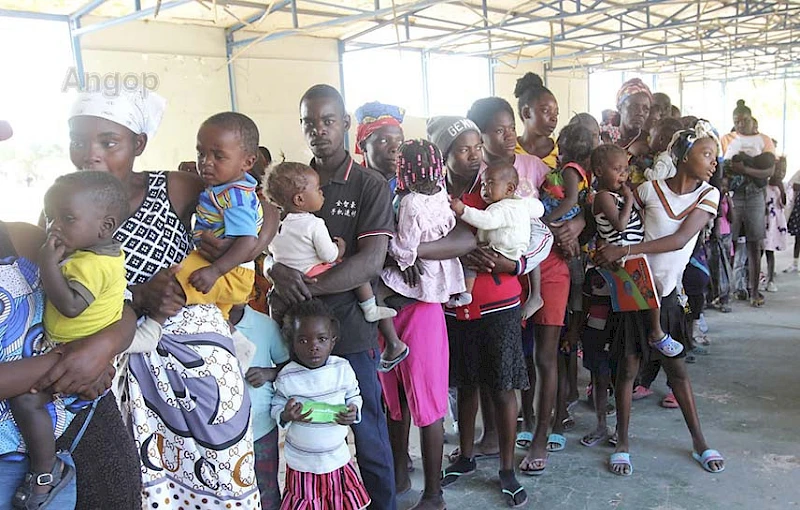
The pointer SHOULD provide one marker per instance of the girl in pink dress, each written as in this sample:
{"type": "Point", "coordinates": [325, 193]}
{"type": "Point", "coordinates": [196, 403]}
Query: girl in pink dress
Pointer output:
{"type": "Point", "coordinates": [417, 389]}
{"type": "Point", "coordinates": [424, 216]}
{"type": "Point", "coordinates": [777, 233]}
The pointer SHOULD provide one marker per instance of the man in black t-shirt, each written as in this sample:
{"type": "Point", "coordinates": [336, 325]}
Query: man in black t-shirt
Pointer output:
{"type": "Point", "coordinates": [358, 209]}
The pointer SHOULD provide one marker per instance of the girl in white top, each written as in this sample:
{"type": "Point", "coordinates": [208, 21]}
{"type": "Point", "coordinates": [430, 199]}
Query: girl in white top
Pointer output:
{"type": "Point", "coordinates": [304, 244]}
{"type": "Point", "coordinates": [675, 211]}
{"type": "Point", "coordinates": [316, 399]}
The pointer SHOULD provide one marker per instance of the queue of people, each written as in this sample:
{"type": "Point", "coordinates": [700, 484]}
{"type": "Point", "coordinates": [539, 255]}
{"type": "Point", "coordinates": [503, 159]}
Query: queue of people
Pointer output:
{"type": "Point", "coordinates": [172, 324]}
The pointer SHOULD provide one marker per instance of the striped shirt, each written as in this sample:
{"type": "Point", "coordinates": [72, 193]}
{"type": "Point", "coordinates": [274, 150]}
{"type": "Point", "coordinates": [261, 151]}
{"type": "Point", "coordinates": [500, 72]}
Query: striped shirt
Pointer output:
{"type": "Point", "coordinates": [231, 209]}
{"type": "Point", "coordinates": [633, 233]}
{"type": "Point", "coordinates": [316, 447]}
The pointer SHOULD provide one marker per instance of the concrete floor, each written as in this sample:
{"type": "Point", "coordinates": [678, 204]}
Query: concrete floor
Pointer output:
{"type": "Point", "coordinates": [749, 404]}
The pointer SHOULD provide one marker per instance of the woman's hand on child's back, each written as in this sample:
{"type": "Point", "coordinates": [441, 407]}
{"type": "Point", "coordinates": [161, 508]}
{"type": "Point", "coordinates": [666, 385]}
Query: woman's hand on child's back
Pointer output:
{"type": "Point", "coordinates": [204, 278]}
{"type": "Point", "coordinates": [258, 376]}
{"type": "Point", "coordinates": [348, 417]}
{"type": "Point", "coordinates": [294, 412]}
{"type": "Point", "coordinates": [457, 206]}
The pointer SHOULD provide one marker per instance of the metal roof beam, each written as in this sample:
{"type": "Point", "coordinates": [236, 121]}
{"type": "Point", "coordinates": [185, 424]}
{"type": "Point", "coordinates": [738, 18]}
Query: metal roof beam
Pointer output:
{"type": "Point", "coordinates": [255, 17]}
{"type": "Point", "coordinates": [41, 16]}
{"type": "Point", "coordinates": [343, 20]}
{"type": "Point", "coordinates": [129, 17]}
{"type": "Point", "coordinates": [86, 9]}
{"type": "Point", "coordinates": [776, 32]}
{"type": "Point", "coordinates": [556, 18]}
{"type": "Point", "coordinates": [636, 32]}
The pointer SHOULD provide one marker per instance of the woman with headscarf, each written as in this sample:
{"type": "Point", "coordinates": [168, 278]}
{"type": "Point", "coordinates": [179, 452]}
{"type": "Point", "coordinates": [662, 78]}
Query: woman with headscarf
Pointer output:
{"type": "Point", "coordinates": [378, 138]}
{"type": "Point", "coordinates": [634, 101]}
{"type": "Point", "coordinates": [186, 402]}
{"type": "Point", "coordinates": [674, 210]}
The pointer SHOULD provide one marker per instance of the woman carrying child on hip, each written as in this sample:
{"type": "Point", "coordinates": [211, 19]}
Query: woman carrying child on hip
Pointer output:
{"type": "Point", "coordinates": [674, 210]}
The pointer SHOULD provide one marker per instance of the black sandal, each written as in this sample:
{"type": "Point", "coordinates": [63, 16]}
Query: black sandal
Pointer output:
{"type": "Point", "coordinates": [514, 493]}
{"type": "Point", "coordinates": [461, 467]}
{"type": "Point", "coordinates": [26, 499]}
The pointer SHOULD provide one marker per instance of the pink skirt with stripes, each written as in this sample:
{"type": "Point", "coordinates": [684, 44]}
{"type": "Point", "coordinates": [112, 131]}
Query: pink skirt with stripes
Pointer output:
{"type": "Point", "coordinates": [338, 490]}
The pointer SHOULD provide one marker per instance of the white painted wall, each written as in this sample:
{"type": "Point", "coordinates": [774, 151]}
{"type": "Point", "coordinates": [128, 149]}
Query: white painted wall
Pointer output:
{"type": "Point", "coordinates": [189, 62]}
{"type": "Point", "coordinates": [191, 67]}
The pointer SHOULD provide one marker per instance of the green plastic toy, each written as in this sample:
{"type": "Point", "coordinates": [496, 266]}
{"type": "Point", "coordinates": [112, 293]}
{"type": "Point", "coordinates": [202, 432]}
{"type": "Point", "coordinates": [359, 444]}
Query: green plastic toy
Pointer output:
{"type": "Point", "coordinates": [322, 412]}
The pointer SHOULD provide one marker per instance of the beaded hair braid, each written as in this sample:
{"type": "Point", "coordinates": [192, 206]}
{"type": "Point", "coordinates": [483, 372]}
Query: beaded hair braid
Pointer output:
{"type": "Point", "coordinates": [420, 162]}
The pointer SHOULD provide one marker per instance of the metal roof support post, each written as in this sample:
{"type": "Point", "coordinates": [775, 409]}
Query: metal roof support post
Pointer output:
{"type": "Point", "coordinates": [77, 55]}
{"type": "Point", "coordinates": [295, 22]}
{"type": "Point", "coordinates": [492, 85]}
{"type": "Point", "coordinates": [426, 96]}
{"type": "Point", "coordinates": [680, 91]}
{"type": "Point", "coordinates": [340, 50]}
{"type": "Point", "coordinates": [785, 100]}
{"type": "Point", "coordinates": [231, 71]}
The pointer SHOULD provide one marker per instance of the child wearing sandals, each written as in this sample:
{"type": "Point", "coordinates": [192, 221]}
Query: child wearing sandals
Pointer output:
{"type": "Point", "coordinates": [619, 225]}
{"type": "Point", "coordinates": [304, 244]}
{"type": "Point", "coordinates": [83, 274]}
{"type": "Point", "coordinates": [424, 216]}
{"type": "Point", "coordinates": [316, 399]}
{"type": "Point", "coordinates": [675, 210]}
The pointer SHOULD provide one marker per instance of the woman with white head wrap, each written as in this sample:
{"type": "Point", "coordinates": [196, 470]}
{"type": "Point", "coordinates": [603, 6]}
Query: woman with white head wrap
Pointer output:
{"type": "Point", "coordinates": [186, 402]}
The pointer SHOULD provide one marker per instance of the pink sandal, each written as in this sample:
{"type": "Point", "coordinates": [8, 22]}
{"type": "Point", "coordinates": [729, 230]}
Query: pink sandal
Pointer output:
{"type": "Point", "coordinates": [669, 402]}
{"type": "Point", "coordinates": [641, 392]}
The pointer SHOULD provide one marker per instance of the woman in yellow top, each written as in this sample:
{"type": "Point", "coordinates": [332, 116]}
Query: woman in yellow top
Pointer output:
{"type": "Point", "coordinates": [538, 109]}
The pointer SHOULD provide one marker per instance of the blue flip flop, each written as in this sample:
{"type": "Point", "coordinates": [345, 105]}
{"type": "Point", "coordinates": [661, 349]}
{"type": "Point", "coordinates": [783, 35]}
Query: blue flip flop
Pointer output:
{"type": "Point", "coordinates": [524, 440]}
{"type": "Point", "coordinates": [707, 458]}
{"type": "Point", "coordinates": [558, 439]}
{"type": "Point", "coordinates": [620, 459]}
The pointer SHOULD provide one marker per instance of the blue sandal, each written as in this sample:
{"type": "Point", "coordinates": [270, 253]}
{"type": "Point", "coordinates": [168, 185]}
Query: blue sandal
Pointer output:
{"type": "Point", "coordinates": [524, 440]}
{"type": "Point", "coordinates": [557, 439]}
{"type": "Point", "coordinates": [707, 458]}
{"type": "Point", "coordinates": [620, 459]}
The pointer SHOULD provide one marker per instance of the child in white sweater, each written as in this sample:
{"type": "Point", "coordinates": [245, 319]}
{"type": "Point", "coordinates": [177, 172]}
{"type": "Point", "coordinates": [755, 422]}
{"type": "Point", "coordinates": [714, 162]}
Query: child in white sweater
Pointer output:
{"type": "Point", "coordinates": [505, 224]}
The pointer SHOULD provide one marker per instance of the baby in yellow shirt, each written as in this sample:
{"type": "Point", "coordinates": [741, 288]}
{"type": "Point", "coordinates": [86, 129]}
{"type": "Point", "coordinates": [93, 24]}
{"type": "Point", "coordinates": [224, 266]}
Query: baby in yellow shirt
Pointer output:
{"type": "Point", "coordinates": [82, 269]}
